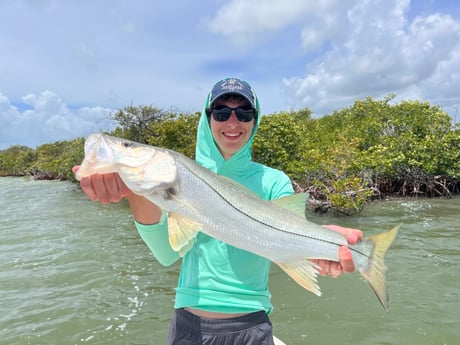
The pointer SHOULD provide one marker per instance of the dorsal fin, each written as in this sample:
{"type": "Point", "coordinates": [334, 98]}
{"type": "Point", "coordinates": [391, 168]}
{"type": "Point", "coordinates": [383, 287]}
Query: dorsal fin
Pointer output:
{"type": "Point", "coordinates": [294, 203]}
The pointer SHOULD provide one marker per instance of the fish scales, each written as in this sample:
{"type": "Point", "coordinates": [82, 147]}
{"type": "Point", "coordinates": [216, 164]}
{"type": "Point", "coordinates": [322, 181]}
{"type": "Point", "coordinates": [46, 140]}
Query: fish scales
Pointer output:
{"type": "Point", "coordinates": [197, 199]}
{"type": "Point", "coordinates": [234, 205]}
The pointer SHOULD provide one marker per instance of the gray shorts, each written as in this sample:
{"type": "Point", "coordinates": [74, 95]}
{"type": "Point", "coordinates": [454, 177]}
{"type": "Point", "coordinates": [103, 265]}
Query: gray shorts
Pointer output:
{"type": "Point", "coordinates": [189, 329]}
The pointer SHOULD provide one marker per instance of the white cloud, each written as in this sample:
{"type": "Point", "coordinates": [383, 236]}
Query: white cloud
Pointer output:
{"type": "Point", "coordinates": [48, 120]}
{"type": "Point", "coordinates": [245, 21]}
{"type": "Point", "coordinates": [380, 53]}
{"type": "Point", "coordinates": [321, 54]}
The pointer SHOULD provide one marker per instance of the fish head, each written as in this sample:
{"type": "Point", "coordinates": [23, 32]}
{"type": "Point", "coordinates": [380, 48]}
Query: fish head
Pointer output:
{"type": "Point", "coordinates": [142, 167]}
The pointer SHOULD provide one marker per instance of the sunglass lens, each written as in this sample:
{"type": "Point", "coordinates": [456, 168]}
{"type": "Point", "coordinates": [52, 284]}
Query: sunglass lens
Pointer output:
{"type": "Point", "coordinates": [222, 114]}
{"type": "Point", "coordinates": [243, 114]}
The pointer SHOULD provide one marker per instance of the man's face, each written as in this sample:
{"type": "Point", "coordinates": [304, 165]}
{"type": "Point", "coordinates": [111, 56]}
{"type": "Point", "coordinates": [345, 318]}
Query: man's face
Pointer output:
{"type": "Point", "coordinates": [231, 135]}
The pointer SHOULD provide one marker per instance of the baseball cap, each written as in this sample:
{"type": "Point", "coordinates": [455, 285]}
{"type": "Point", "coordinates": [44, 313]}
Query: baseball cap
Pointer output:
{"type": "Point", "coordinates": [233, 86]}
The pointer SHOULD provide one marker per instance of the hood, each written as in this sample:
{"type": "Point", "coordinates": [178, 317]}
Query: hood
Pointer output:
{"type": "Point", "coordinates": [208, 155]}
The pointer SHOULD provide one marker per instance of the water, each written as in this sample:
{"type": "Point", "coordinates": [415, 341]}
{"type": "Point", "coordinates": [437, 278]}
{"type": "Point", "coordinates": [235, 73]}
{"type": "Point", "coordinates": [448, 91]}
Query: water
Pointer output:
{"type": "Point", "coordinates": [76, 272]}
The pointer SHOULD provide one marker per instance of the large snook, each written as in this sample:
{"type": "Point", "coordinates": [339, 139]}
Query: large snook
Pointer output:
{"type": "Point", "coordinates": [200, 200]}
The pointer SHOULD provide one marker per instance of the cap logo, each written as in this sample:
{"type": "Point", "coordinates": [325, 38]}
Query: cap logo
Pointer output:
{"type": "Point", "coordinates": [232, 85]}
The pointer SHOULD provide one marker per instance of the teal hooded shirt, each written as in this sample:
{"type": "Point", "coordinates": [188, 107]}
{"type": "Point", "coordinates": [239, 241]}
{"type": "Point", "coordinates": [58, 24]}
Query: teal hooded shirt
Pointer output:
{"type": "Point", "coordinates": [216, 276]}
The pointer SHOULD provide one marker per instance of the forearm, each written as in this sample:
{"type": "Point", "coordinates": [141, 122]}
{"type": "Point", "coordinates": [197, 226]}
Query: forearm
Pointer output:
{"type": "Point", "coordinates": [144, 211]}
{"type": "Point", "coordinates": [152, 228]}
{"type": "Point", "coordinates": [156, 238]}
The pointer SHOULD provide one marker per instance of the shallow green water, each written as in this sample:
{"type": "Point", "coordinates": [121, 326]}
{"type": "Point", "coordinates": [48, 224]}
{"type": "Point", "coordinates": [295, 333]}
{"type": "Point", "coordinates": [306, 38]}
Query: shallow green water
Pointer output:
{"type": "Point", "coordinates": [76, 272]}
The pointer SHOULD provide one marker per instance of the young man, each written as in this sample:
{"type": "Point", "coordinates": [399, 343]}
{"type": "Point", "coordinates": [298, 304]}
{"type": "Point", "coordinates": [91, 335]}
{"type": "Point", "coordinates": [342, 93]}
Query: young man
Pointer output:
{"type": "Point", "coordinates": [222, 295]}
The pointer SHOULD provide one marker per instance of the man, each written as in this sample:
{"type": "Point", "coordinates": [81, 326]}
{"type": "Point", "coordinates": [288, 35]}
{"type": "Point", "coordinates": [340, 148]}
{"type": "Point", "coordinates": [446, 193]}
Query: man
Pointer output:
{"type": "Point", "coordinates": [222, 295]}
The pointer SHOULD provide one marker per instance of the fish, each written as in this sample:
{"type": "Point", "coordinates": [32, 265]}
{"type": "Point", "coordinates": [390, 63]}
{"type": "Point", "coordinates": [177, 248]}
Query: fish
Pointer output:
{"type": "Point", "coordinates": [198, 199]}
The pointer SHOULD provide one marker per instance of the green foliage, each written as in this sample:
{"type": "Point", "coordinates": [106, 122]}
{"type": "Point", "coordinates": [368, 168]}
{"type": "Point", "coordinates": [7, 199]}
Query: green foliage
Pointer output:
{"type": "Point", "coordinates": [72, 155]}
{"type": "Point", "coordinates": [346, 195]}
{"type": "Point", "coordinates": [280, 142]}
{"type": "Point", "coordinates": [367, 148]}
{"type": "Point", "coordinates": [48, 161]}
{"type": "Point", "coordinates": [448, 158]}
{"type": "Point", "coordinates": [16, 160]}
{"type": "Point", "coordinates": [136, 122]}
{"type": "Point", "coordinates": [410, 134]}
{"type": "Point", "coordinates": [371, 148]}
{"type": "Point", "coordinates": [56, 160]}
{"type": "Point", "coordinates": [176, 132]}
{"type": "Point", "coordinates": [148, 125]}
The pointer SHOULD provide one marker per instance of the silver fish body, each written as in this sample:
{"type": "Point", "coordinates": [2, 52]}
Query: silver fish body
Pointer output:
{"type": "Point", "coordinates": [200, 200]}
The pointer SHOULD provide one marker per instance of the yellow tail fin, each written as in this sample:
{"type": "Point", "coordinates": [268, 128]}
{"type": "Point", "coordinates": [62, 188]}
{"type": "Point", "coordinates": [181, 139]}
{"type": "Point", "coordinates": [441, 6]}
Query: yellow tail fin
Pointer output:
{"type": "Point", "coordinates": [375, 274]}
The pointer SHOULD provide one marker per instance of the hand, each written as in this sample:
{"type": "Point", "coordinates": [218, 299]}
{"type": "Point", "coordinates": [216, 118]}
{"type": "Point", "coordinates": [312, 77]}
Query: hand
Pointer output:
{"type": "Point", "coordinates": [345, 264]}
{"type": "Point", "coordinates": [106, 188]}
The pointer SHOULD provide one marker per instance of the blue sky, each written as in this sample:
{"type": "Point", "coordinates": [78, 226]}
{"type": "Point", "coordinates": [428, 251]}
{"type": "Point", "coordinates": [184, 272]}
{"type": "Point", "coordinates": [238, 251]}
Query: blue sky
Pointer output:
{"type": "Point", "coordinates": [66, 65]}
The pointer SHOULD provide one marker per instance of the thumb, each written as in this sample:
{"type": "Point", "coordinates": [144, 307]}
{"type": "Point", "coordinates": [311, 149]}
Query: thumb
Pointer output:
{"type": "Point", "coordinates": [75, 168]}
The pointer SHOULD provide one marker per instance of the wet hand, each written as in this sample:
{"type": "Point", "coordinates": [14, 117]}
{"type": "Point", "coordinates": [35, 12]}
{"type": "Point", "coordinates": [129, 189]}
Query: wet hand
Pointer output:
{"type": "Point", "coordinates": [345, 264]}
{"type": "Point", "coordinates": [106, 188]}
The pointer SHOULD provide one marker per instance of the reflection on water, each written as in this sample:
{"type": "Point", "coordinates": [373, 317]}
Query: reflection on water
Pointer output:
{"type": "Point", "coordinates": [76, 272]}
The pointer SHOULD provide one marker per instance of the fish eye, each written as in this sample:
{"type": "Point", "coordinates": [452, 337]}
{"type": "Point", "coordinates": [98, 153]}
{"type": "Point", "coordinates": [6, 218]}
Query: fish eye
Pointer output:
{"type": "Point", "coordinates": [127, 144]}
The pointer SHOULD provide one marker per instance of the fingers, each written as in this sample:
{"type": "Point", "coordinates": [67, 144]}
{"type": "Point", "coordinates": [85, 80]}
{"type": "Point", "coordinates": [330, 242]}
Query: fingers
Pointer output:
{"type": "Point", "coordinates": [346, 259]}
{"type": "Point", "coordinates": [345, 264]}
{"type": "Point", "coordinates": [353, 235]}
{"type": "Point", "coordinates": [335, 269]}
{"type": "Point", "coordinates": [86, 185]}
{"type": "Point", "coordinates": [106, 188]}
{"type": "Point", "coordinates": [328, 268]}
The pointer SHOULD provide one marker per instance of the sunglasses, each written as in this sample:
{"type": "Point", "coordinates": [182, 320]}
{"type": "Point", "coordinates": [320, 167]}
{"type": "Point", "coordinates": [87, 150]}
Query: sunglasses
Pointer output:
{"type": "Point", "coordinates": [222, 113]}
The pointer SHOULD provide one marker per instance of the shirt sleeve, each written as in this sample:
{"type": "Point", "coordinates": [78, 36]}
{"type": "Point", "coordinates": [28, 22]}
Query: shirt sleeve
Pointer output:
{"type": "Point", "coordinates": [282, 186]}
{"type": "Point", "coordinates": [156, 238]}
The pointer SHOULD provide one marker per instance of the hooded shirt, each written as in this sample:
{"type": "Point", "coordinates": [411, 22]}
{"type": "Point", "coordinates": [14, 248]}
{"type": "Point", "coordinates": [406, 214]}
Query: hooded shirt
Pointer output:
{"type": "Point", "coordinates": [215, 276]}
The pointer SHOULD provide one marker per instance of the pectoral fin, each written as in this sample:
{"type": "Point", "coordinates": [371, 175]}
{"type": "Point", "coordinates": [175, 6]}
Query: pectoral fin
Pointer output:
{"type": "Point", "coordinates": [304, 273]}
{"type": "Point", "coordinates": [181, 232]}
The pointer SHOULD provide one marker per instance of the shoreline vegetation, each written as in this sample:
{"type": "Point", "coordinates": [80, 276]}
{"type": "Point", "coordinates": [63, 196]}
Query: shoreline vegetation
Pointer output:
{"type": "Point", "coordinates": [372, 150]}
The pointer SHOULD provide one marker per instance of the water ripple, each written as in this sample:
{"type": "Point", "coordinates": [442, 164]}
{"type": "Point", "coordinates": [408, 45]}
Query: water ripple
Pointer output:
{"type": "Point", "coordinates": [76, 272]}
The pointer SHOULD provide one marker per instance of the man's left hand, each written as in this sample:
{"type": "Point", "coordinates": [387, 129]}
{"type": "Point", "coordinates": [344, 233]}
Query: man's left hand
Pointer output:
{"type": "Point", "coordinates": [345, 264]}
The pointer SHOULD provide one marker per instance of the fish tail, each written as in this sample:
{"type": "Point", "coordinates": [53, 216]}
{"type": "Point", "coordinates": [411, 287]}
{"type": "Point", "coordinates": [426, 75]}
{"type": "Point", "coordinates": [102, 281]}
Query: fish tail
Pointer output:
{"type": "Point", "coordinates": [375, 272]}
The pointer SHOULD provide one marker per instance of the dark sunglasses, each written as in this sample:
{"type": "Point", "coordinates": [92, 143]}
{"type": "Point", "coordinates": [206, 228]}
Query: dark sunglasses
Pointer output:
{"type": "Point", "coordinates": [222, 113]}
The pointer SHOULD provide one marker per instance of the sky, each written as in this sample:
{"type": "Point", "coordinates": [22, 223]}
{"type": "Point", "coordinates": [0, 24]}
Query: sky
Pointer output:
{"type": "Point", "coordinates": [67, 65]}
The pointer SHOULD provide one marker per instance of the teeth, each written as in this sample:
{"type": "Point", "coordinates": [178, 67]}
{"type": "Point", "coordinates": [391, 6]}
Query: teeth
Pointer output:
{"type": "Point", "coordinates": [232, 134]}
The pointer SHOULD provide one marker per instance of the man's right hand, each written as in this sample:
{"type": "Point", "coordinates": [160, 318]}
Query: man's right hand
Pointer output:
{"type": "Point", "coordinates": [106, 188]}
